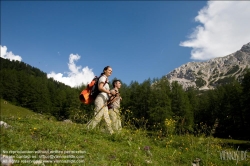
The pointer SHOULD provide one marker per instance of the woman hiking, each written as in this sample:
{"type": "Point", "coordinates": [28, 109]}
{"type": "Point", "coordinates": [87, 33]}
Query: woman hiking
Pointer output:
{"type": "Point", "coordinates": [101, 108]}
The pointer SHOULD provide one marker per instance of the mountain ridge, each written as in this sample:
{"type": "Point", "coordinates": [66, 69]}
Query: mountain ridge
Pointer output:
{"type": "Point", "coordinates": [210, 73]}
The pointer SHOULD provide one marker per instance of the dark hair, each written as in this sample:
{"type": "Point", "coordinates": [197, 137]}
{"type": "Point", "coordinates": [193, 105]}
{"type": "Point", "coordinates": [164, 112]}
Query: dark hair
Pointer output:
{"type": "Point", "coordinates": [105, 68]}
{"type": "Point", "coordinates": [115, 81]}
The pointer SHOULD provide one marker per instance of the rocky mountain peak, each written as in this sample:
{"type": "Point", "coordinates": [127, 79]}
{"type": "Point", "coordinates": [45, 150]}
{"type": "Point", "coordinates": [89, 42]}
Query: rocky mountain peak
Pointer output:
{"type": "Point", "coordinates": [246, 48]}
{"type": "Point", "coordinates": [208, 74]}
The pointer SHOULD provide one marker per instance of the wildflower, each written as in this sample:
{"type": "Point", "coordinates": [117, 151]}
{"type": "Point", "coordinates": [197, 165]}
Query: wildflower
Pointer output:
{"type": "Point", "coordinates": [146, 148]}
{"type": "Point", "coordinates": [148, 161]}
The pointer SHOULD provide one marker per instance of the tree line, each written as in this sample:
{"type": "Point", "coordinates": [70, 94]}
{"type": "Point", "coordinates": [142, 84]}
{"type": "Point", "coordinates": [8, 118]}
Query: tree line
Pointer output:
{"type": "Point", "coordinates": [224, 110]}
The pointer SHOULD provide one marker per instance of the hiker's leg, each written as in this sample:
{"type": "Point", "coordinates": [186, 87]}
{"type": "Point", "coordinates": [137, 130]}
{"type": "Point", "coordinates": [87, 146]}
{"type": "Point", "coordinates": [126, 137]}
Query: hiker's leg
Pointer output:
{"type": "Point", "coordinates": [107, 120]}
{"type": "Point", "coordinates": [99, 103]}
{"type": "Point", "coordinates": [119, 122]}
{"type": "Point", "coordinates": [113, 118]}
{"type": "Point", "coordinates": [96, 119]}
{"type": "Point", "coordinates": [118, 119]}
{"type": "Point", "coordinates": [102, 126]}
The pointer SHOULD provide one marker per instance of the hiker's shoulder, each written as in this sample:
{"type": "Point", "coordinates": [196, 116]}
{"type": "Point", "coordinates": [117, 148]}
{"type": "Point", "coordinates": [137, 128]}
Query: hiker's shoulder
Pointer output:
{"type": "Point", "coordinates": [103, 78]}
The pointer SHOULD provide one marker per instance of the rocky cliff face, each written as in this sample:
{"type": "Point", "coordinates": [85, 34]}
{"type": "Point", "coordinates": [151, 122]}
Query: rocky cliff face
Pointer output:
{"type": "Point", "coordinates": [207, 75]}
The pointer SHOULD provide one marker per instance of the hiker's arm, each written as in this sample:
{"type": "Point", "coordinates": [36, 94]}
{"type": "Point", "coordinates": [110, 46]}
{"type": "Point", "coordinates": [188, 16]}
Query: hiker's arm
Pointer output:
{"type": "Point", "coordinates": [102, 89]}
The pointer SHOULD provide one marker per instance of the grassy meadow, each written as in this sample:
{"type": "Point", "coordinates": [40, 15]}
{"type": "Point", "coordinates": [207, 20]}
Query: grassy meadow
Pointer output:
{"type": "Point", "coordinates": [36, 139]}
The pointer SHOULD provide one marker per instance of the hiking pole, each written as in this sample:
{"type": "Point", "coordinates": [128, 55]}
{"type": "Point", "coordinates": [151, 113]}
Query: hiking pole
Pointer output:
{"type": "Point", "coordinates": [97, 113]}
{"type": "Point", "coordinates": [106, 103]}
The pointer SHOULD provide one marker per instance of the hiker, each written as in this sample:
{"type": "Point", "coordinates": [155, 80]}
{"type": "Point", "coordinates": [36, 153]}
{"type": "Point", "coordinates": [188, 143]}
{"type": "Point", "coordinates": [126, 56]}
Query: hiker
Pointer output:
{"type": "Point", "coordinates": [114, 106]}
{"type": "Point", "coordinates": [101, 109]}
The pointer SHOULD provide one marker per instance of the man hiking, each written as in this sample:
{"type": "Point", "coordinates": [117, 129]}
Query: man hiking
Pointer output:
{"type": "Point", "coordinates": [114, 106]}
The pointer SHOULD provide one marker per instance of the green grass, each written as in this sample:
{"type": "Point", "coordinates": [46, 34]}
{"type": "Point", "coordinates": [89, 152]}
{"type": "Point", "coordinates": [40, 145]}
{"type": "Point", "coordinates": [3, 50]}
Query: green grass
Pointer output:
{"type": "Point", "coordinates": [45, 137]}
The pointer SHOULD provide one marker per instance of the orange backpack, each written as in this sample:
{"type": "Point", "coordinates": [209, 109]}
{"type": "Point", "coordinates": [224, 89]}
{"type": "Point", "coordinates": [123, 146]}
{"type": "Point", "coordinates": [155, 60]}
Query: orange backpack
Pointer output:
{"type": "Point", "coordinates": [91, 91]}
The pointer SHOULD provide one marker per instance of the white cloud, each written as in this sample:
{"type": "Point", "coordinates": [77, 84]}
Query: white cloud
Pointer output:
{"type": "Point", "coordinates": [225, 29]}
{"type": "Point", "coordinates": [76, 75]}
{"type": "Point", "coordinates": [9, 55]}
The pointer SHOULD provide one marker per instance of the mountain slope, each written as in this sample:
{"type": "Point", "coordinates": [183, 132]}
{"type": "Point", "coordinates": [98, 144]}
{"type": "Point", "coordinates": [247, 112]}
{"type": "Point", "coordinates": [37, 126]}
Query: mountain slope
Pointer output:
{"type": "Point", "coordinates": [35, 139]}
{"type": "Point", "coordinates": [209, 74]}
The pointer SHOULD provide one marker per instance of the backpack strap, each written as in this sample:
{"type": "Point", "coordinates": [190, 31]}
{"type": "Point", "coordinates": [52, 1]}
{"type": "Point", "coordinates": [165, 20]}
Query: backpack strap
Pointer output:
{"type": "Point", "coordinates": [105, 81]}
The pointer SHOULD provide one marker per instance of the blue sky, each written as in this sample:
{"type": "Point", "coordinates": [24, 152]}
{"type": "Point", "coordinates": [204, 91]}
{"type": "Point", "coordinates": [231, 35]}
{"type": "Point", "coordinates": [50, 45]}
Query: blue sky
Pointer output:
{"type": "Point", "coordinates": [74, 40]}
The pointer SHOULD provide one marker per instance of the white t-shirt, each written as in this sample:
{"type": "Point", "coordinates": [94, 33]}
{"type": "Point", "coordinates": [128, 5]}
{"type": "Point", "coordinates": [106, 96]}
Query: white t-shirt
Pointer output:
{"type": "Point", "coordinates": [104, 79]}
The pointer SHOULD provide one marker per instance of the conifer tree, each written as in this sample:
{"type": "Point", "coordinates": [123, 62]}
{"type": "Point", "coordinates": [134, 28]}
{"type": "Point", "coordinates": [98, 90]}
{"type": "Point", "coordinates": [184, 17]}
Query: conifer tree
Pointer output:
{"type": "Point", "coordinates": [181, 108]}
{"type": "Point", "coordinates": [159, 103]}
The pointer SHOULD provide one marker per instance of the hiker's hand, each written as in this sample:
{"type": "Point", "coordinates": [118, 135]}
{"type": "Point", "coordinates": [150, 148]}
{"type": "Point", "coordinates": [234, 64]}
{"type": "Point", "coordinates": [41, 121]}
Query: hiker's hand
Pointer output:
{"type": "Point", "coordinates": [112, 92]}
